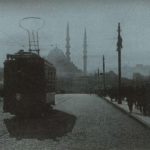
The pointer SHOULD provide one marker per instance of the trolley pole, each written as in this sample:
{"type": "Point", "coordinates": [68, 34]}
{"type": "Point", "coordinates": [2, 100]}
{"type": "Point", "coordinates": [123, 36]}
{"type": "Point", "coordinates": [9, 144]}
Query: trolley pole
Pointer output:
{"type": "Point", "coordinates": [119, 47]}
{"type": "Point", "coordinates": [104, 83]}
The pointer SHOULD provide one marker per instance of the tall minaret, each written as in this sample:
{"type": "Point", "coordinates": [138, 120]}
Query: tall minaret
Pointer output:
{"type": "Point", "coordinates": [85, 53]}
{"type": "Point", "coordinates": [68, 43]}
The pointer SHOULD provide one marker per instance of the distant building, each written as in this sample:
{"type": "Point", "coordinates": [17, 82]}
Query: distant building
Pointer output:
{"type": "Point", "coordinates": [81, 84]}
{"type": "Point", "coordinates": [69, 77]}
{"type": "Point", "coordinates": [128, 71]}
{"type": "Point", "coordinates": [138, 76]}
{"type": "Point", "coordinates": [65, 68]}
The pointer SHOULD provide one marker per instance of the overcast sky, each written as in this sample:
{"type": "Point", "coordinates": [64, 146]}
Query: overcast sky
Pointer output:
{"type": "Point", "coordinates": [100, 17]}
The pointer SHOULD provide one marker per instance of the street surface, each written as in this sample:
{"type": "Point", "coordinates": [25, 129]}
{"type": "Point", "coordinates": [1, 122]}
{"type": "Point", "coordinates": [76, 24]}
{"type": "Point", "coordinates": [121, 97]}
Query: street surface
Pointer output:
{"type": "Point", "coordinates": [78, 122]}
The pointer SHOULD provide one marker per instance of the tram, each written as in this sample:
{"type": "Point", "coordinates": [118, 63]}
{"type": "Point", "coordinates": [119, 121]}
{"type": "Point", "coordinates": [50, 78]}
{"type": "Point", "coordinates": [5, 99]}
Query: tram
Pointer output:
{"type": "Point", "coordinates": [29, 84]}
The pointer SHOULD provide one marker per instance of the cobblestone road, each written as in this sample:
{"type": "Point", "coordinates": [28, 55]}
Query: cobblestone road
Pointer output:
{"type": "Point", "coordinates": [79, 122]}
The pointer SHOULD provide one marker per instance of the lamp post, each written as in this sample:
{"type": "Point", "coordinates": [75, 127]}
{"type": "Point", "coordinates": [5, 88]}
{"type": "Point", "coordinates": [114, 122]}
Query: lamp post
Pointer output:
{"type": "Point", "coordinates": [119, 47]}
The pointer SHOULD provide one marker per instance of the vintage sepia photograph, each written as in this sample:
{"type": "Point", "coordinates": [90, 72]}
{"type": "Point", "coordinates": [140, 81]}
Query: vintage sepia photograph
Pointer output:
{"type": "Point", "coordinates": [74, 75]}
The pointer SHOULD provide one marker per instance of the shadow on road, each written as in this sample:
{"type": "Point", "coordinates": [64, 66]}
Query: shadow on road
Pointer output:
{"type": "Point", "coordinates": [56, 124]}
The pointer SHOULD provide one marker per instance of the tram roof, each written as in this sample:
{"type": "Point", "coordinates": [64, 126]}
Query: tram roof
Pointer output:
{"type": "Point", "coordinates": [24, 54]}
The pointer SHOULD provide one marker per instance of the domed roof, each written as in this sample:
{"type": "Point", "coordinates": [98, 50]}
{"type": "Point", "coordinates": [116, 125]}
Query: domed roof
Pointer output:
{"type": "Point", "coordinates": [64, 67]}
{"type": "Point", "coordinates": [56, 54]}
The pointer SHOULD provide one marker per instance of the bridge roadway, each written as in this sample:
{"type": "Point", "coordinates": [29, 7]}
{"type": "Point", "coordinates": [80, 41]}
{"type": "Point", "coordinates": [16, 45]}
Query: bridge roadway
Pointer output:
{"type": "Point", "coordinates": [78, 122]}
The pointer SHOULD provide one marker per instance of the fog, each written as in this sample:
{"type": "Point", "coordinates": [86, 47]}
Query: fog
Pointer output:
{"type": "Point", "coordinates": [99, 17]}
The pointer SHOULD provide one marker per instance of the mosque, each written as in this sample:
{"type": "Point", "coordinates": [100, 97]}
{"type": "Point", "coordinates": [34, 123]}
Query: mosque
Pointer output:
{"type": "Point", "coordinates": [64, 67]}
{"type": "Point", "coordinates": [69, 77]}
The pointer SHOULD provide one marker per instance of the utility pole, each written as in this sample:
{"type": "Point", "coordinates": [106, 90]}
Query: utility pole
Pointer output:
{"type": "Point", "coordinates": [104, 83]}
{"type": "Point", "coordinates": [119, 47]}
{"type": "Point", "coordinates": [98, 75]}
{"type": "Point", "coordinates": [98, 80]}
{"type": "Point", "coordinates": [85, 53]}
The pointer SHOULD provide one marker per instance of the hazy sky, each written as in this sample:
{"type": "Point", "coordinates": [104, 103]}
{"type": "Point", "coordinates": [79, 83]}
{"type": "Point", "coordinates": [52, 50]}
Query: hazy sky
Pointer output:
{"type": "Point", "coordinates": [100, 17]}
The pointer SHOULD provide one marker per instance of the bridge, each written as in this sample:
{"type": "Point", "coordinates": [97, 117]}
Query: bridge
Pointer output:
{"type": "Point", "coordinates": [77, 122]}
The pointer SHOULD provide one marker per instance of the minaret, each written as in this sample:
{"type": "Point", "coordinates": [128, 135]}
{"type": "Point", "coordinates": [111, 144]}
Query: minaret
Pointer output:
{"type": "Point", "coordinates": [68, 43]}
{"type": "Point", "coordinates": [85, 53]}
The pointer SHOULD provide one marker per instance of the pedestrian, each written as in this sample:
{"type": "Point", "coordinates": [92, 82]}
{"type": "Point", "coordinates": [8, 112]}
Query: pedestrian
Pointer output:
{"type": "Point", "coordinates": [130, 104]}
{"type": "Point", "coordinates": [130, 97]}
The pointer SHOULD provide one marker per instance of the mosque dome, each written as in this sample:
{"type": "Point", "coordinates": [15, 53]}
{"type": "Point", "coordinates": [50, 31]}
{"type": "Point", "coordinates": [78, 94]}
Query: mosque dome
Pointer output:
{"type": "Point", "coordinates": [63, 66]}
{"type": "Point", "coordinates": [56, 55]}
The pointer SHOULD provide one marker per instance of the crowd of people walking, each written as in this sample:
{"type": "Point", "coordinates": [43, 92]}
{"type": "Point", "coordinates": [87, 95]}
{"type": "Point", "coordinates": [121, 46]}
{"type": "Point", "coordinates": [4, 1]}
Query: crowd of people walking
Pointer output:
{"type": "Point", "coordinates": [136, 97]}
